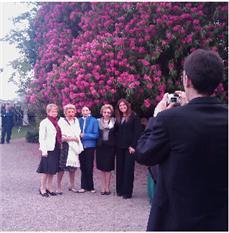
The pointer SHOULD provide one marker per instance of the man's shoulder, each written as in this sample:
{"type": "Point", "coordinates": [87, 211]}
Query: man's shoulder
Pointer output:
{"type": "Point", "coordinates": [173, 111]}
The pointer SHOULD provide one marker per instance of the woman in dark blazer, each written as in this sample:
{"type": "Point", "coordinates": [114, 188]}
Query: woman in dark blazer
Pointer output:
{"type": "Point", "coordinates": [128, 130]}
{"type": "Point", "coordinates": [105, 150]}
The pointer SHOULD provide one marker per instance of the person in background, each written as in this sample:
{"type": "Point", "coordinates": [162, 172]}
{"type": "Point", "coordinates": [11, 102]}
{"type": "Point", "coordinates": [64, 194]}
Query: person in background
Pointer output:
{"type": "Point", "coordinates": [50, 140]}
{"type": "Point", "coordinates": [71, 147]}
{"type": "Point", "coordinates": [105, 150]}
{"type": "Point", "coordinates": [3, 109]}
{"type": "Point", "coordinates": [89, 134]}
{"type": "Point", "coordinates": [128, 130]}
{"type": "Point", "coordinates": [190, 144]}
{"type": "Point", "coordinates": [7, 123]}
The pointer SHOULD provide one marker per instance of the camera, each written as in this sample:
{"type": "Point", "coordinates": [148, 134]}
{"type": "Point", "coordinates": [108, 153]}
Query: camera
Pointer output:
{"type": "Point", "coordinates": [173, 98]}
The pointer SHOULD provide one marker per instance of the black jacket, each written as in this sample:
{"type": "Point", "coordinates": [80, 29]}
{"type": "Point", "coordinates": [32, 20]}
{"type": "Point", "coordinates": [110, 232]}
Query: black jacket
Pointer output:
{"type": "Point", "coordinates": [7, 119]}
{"type": "Point", "coordinates": [190, 144]}
{"type": "Point", "coordinates": [128, 133]}
{"type": "Point", "coordinates": [110, 141]}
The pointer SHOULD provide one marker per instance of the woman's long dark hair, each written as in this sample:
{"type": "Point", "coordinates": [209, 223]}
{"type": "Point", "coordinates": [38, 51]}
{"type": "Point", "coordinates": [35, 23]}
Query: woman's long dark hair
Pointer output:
{"type": "Point", "coordinates": [119, 114]}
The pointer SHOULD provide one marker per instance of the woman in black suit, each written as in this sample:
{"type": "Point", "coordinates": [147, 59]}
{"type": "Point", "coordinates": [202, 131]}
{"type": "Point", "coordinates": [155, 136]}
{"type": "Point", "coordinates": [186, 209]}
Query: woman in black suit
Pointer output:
{"type": "Point", "coordinates": [128, 130]}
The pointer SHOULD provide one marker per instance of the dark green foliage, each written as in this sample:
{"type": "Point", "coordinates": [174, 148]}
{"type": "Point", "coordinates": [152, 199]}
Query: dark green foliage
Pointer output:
{"type": "Point", "coordinates": [32, 136]}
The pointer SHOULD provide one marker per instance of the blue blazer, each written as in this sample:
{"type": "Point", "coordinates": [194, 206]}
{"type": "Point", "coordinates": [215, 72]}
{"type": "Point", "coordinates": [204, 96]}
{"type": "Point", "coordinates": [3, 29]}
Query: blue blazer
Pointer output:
{"type": "Point", "coordinates": [91, 132]}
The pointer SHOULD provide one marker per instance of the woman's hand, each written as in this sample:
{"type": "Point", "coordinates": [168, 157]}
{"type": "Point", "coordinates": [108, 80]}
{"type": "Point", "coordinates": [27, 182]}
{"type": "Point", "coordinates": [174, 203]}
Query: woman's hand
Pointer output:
{"type": "Point", "coordinates": [44, 154]}
{"type": "Point", "coordinates": [70, 139]}
{"type": "Point", "coordinates": [76, 139]}
{"type": "Point", "coordinates": [73, 139]}
{"type": "Point", "coordinates": [131, 150]}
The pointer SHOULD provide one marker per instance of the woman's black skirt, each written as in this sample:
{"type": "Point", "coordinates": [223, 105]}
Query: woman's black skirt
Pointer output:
{"type": "Point", "coordinates": [50, 164]}
{"type": "Point", "coordinates": [105, 158]}
{"type": "Point", "coordinates": [63, 159]}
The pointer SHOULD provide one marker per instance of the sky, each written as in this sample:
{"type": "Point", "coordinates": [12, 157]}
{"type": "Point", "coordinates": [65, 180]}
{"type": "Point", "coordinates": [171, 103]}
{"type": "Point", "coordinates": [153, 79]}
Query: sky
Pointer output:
{"type": "Point", "coordinates": [8, 52]}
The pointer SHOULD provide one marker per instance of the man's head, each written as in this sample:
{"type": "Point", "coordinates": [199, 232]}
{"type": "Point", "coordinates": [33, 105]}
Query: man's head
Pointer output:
{"type": "Point", "coordinates": [204, 69]}
{"type": "Point", "coordinates": [8, 107]}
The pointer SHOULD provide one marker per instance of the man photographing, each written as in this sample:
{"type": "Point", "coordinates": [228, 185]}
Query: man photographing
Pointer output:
{"type": "Point", "coordinates": [190, 144]}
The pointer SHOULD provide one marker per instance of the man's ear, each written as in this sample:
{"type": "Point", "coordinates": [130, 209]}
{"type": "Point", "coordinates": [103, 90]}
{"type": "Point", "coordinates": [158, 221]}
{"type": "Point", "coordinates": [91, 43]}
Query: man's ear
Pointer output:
{"type": "Point", "coordinates": [187, 82]}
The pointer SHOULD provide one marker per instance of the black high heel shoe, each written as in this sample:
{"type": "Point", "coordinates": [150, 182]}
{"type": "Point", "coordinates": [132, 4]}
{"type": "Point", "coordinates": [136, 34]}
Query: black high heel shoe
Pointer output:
{"type": "Point", "coordinates": [51, 193]}
{"type": "Point", "coordinates": [43, 194]}
{"type": "Point", "coordinates": [127, 196]}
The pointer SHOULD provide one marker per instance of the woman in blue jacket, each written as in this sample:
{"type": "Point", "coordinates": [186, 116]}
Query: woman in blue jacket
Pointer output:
{"type": "Point", "coordinates": [89, 134]}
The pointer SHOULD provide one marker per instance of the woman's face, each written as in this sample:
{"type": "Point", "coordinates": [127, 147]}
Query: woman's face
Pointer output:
{"type": "Point", "coordinates": [53, 112]}
{"type": "Point", "coordinates": [70, 113]}
{"type": "Point", "coordinates": [122, 107]}
{"type": "Point", "coordinates": [85, 111]}
{"type": "Point", "coordinates": [106, 113]}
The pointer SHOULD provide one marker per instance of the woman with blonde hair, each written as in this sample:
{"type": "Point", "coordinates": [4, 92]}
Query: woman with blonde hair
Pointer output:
{"type": "Point", "coordinates": [71, 147]}
{"type": "Point", "coordinates": [105, 150]}
{"type": "Point", "coordinates": [50, 141]}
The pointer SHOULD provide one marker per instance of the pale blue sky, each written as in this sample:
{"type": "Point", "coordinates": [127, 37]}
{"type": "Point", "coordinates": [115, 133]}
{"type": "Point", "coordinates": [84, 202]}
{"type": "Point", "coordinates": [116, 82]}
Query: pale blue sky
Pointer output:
{"type": "Point", "coordinates": [8, 52]}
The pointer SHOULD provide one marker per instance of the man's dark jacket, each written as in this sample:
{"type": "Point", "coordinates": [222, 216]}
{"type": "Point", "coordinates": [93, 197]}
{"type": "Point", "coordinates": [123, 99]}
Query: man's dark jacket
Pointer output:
{"type": "Point", "coordinates": [7, 119]}
{"type": "Point", "coordinates": [190, 144]}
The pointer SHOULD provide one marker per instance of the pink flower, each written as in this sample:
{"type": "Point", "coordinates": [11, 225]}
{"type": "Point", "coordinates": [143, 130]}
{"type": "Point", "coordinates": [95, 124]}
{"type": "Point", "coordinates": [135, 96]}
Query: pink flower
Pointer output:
{"type": "Point", "coordinates": [149, 86]}
{"type": "Point", "coordinates": [145, 62]}
{"type": "Point", "coordinates": [196, 21]}
{"type": "Point", "coordinates": [147, 103]}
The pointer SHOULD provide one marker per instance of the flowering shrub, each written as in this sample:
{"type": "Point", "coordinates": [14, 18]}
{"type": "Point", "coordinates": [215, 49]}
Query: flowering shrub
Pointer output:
{"type": "Point", "coordinates": [93, 53]}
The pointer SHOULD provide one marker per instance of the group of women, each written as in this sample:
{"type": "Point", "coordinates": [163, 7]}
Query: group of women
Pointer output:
{"type": "Point", "coordinates": [69, 143]}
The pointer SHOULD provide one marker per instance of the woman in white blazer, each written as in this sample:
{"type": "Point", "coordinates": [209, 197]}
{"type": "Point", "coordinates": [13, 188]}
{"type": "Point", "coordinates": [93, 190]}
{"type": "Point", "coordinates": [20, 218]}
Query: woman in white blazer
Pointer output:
{"type": "Point", "coordinates": [50, 141]}
{"type": "Point", "coordinates": [71, 147]}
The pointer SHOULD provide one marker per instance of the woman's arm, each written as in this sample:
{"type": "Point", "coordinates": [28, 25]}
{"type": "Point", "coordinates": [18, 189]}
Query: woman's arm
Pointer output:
{"type": "Point", "coordinates": [42, 138]}
{"type": "Point", "coordinates": [95, 131]}
{"type": "Point", "coordinates": [137, 130]}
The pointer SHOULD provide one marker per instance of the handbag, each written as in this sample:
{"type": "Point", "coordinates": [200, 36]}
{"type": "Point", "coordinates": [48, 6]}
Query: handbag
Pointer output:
{"type": "Point", "coordinates": [63, 155]}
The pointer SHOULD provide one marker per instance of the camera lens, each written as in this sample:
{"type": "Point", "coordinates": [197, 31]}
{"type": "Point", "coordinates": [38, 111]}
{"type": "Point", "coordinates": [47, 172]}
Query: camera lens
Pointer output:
{"type": "Point", "coordinates": [173, 100]}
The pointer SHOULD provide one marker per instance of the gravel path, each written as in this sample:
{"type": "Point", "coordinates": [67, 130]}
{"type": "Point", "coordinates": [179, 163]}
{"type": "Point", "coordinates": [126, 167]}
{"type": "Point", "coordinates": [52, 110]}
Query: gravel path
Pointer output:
{"type": "Point", "coordinates": [23, 209]}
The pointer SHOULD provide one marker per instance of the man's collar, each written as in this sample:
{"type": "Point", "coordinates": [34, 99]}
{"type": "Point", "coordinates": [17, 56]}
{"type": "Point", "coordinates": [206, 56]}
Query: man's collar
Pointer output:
{"type": "Point", "coordinates": [205, 100]}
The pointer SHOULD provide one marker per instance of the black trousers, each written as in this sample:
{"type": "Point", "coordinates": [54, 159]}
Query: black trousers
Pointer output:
{"type": "Point", "coordinates": [86, 165]}
{"type": "Point", "coordinates": [6, 132]}
{"type": "Point", "coordinates": [124, 172]}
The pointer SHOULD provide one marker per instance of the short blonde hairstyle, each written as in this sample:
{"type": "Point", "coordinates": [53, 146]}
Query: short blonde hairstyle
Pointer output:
{"type": "Point", "coordinates": [69, 106]}
{"type": "Point", "coordinates": [107, 106]}
{"type": "Point", "coordinates": [49, 107]}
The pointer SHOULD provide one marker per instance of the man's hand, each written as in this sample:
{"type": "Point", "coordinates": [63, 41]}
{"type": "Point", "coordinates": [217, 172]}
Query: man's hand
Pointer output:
{"type": "Point", "coordinates": [163, 105]}
{"type": "Point", "coordinates": [131, 150]}
{"type": "Point", "coordinates": [183, 97]}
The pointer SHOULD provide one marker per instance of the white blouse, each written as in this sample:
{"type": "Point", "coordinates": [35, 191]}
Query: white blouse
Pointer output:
{"type": "Point", "coordinates": [75, 148]}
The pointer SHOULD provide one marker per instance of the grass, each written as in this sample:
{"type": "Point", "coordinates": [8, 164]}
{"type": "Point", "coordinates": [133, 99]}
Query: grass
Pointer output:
{"type": "Point", "coordinates": [20, 132]}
